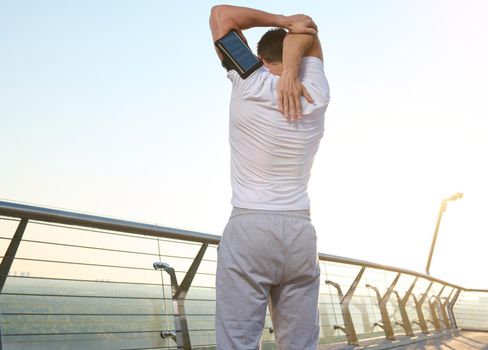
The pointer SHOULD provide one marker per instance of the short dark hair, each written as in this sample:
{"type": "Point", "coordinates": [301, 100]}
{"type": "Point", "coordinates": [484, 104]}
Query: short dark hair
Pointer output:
{"type": "Point", "coordinates": [270, 46]}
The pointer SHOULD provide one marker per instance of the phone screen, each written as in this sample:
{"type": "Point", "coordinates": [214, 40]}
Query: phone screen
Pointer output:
{"type": "Point", "coordinates": [239, 50]}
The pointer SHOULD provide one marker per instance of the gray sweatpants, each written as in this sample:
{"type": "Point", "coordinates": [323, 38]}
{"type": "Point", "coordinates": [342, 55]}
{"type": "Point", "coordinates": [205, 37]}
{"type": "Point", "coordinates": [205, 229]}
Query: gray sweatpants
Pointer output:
{"type": "Point", "coordinates": [266, 254]}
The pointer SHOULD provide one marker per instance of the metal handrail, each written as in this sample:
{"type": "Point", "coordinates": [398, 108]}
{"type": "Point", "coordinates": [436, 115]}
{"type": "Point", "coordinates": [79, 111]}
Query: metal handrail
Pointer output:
{"type": "Point", "coordinates": [476, 290]}
{"type": "Point", "coordinates": [99, 222]}
{"type": "Point", "coordinates": [30, 212]}
{"type": "Point", "coordinates": [349, 261]}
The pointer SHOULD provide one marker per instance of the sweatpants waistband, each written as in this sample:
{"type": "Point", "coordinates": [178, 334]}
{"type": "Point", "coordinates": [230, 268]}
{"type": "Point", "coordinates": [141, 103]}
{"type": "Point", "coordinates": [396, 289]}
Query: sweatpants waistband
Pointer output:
{"type": "Point", "coordinates": [304, 214]}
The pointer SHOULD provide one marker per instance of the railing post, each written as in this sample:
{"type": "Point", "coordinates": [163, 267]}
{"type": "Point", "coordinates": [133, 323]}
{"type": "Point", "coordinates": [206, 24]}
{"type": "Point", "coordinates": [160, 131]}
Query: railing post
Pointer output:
{"type": "Point", "coordinates": [382, 302]}
{"type": "Point", "coordinates": [451, 308]}
{"type": "Point", "coordinates": [433, 312]}
{"type": "Point", "coordinates": [441, 314]}
{"type": "Point", "coordinates": [402, 303]}
{"type": "Point", "coordinates": [434, 309]}
{"type": "Point", "coordinates": [182, 334]}
{"type": "Point", "coordinates": [445, 309]}
{"type": "Point", "coordinates": [348, 328]}
{"type": "Point", "coordinates": [420, 313]}
{"type": "Point", "coordinates": [9, 258]}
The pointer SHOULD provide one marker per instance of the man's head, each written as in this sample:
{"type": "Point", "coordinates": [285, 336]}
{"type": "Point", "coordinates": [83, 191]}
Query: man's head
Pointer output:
{"type": "Point", "coordinates": [270, 49]}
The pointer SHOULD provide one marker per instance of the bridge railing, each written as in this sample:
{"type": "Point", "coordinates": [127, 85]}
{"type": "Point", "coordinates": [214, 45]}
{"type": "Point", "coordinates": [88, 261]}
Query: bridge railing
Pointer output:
{"type": "Point", "coordinates": [71, 281]}
{"type": "Point", "coordinates": [471, 310]}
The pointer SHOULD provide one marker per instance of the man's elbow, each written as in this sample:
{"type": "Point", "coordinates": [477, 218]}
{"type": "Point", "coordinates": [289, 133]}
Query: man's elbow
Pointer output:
{"type": "Point", "coordinates": [217, 13]}
{"type": "Point", "coordinates": [220, 22]}
{"type": "Point", "coordinates": [216, 8]}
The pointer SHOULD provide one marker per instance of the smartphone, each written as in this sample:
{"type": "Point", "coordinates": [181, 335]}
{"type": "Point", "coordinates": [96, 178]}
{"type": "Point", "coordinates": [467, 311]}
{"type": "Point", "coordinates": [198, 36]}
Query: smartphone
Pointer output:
{"type": "Point", "coordinates": [237, 55]}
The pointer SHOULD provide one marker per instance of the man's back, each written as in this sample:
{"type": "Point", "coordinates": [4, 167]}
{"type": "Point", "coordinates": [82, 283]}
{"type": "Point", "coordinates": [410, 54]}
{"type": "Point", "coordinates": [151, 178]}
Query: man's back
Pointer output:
{"type": "Point", "coordinates": [268, 249]}
{"type": "Point", "coordinates": [271, 157]}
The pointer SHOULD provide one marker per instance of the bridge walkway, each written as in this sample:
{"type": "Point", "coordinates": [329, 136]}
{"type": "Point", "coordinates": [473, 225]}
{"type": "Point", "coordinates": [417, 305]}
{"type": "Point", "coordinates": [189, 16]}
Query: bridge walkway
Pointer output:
{"type": "Point", "coordinates": [457, 340]}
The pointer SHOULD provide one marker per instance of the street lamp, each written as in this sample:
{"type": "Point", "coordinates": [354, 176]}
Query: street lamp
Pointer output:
{"type": "Point", "coordinates": [442, 209]}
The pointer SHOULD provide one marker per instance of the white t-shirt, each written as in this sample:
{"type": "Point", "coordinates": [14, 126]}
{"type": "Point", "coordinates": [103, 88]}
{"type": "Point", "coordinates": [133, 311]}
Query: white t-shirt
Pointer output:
{"type": "Point", "coordinates": [271, 157]}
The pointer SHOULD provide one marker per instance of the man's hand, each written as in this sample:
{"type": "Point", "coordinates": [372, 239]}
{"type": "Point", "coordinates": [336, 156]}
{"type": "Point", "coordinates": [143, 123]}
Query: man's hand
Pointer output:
{"type": "Point", "coordinates": [289, 90]}
{"type": "Point", "coordinates": [301, 24]}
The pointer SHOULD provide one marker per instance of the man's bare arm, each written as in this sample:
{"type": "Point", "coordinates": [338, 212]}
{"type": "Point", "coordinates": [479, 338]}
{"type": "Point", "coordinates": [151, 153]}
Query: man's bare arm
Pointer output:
{"type": "Point", "coordinates": [289, 89]}
{"type": "Point", "coordinates": [224, 18]}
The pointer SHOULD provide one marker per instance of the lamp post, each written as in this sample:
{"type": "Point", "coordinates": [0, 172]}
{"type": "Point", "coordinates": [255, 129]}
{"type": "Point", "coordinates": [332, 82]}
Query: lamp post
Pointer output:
{"type": "Point", "coordinates": [442, 209]}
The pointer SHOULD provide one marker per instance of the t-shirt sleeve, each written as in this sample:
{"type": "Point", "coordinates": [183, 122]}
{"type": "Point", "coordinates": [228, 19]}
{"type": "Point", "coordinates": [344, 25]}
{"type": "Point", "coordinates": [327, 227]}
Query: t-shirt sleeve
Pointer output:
{"type": "Point", "coordinates": [246, 86]}
{"type": "Point", "coordinates": [238, 84]}
{"type": "Point", "coordinates": [313, 79]}
{"type": "Point", "coordinates": [233, 76]}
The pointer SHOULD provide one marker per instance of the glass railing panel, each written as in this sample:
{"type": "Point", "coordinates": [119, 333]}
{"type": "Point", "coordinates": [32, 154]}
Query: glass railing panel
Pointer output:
{"type": "Point", "coordinates": [365, 314]}
{"type": "Point", "coordinates": [8, 226]}
{"type": "Point", "coordinates": [392, 306]}
{"type": "Point", "coordinates": [49, 256]}
{"type": "Point", "coordinates": [181, 263]}
{"type": "Point", "coordinates": [74, 289]}
{"type": "Point", "coordinates": [402, 286]}
{"type": "Point", "coordinates": [86, 237]}
{"type": "Point", "coordinates": [448, 292]}
{"type": "Point", "coordinates": [471, 311]}
{"type": "Point", "coordinates": [99, 341]}
{"type": "Point", "coordinates": [364, 310]}
{"type": "Point", "coordinates": [74, 314]}
{"type": "Point", "coordinates": [380, 280]}
{"type": "Point", "coordinates": [343, 274]}
{"type": "Point", "coordinates": [420, 289]}
{"type": "Point", "coordinates": [411, 307]}
{"type": "Point", "coordinates": [43, 305]}
{"type": "Point", "coordinates": [200, 299]}
{"type": "Point", "coordinates": [412, 315]}
{"type": "Point", "coordinates": [328, 318]}
{"type": "Point", "coordinates": [7, 230]}
{"type": "Point", "coordinates": [199, 293]}
{"type": "Point", "coordinates": [444, 304]}
{"type": "Point", "coordinates": [435, 294]}
{"type": "Point", "coordinates": [30, 285]}
{"type": "Point", "coordinates": [60, 270]}
{"type": "Point", "coordinates": [431, 307]}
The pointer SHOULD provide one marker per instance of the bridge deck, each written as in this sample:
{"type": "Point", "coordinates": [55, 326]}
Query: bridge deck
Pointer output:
{"type": "Point", "coordinates": [459, 340]}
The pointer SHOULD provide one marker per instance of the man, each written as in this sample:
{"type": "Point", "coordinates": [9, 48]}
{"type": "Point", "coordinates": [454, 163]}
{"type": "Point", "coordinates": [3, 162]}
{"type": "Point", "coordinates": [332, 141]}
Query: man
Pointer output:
{"type": "Point", "coordinates": [268, 249]}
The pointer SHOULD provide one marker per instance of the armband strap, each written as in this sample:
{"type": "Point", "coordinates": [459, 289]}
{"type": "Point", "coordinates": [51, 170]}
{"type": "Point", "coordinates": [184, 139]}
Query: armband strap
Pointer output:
{"type": "Point", "coordinates": [227, 63]}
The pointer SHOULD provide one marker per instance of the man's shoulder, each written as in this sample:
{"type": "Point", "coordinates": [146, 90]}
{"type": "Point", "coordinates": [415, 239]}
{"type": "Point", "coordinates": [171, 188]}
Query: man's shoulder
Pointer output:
{"type": "Point", "coordinates": [312, 60]}
{"type": "Point", "coordinates": [311, 66]}
{"type": "Point", "coordinates": [259, 84]}
{"type": "Point", "coordinates": [260, 75]}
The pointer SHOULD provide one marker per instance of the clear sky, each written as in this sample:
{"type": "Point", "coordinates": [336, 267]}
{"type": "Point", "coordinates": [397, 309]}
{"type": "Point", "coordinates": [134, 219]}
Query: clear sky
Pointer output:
{"type": "Point", "coordinates": [119, 108]}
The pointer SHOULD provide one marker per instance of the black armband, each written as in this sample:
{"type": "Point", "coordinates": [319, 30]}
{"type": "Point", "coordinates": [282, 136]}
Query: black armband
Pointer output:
{"type": "Point", "coordinates": [237, 55]}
